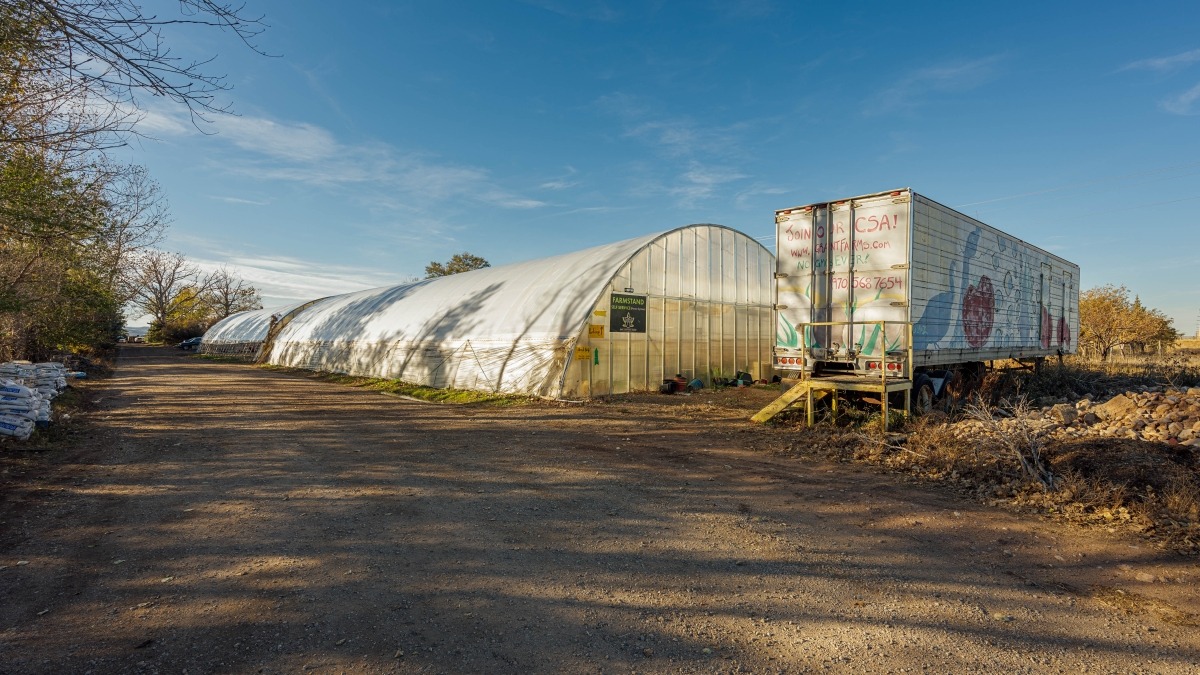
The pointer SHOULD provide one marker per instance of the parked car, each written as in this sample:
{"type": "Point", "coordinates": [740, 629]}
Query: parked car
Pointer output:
{"type": "Point", "coordinates": [137, 338]}
{"type": "Point", "coordinates": [190, 343]}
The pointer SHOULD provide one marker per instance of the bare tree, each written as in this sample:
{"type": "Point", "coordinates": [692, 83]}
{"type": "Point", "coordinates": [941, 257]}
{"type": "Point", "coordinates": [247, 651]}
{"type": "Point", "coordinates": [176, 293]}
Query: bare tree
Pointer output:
{"type": "Point", "coordinates": [137, 215]}
{"type": "Point", "coordinates": [160, 281]}
{"type": "Point", "coordinates": [116, 48]}
{"type": "Point", "coordinates": [228, 294]}
{"type": "Point", "coordinates": [71, 70]}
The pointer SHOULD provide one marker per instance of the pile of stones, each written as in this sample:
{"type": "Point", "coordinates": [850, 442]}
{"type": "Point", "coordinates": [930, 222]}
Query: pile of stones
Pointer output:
{"type": "Point", "coordinates": [1164, 415]}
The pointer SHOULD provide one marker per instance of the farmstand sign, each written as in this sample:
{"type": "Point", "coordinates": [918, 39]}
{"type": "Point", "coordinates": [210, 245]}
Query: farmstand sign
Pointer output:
{"type": "Point", "coordinates": [627, 313]}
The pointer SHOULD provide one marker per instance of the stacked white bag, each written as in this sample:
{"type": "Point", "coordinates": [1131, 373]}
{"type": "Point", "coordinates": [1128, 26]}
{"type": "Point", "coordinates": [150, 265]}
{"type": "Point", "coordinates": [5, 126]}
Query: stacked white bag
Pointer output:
{"type": "Point", "coordinates": [50, 378]}
{"type": "Point", "coordinates": [20, 408]}
{"type": "Point", "coordinates": [26, 390]}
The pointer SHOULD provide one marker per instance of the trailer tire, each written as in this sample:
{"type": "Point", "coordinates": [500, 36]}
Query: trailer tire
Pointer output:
{"type": "Point", "coordinates": [922, 396]}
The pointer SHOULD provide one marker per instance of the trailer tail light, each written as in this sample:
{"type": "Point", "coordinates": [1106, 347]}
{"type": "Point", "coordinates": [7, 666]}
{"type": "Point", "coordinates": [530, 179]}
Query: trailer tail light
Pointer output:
{"type": "Point", "coordinates": [872, 365]}
{"type": "Point", "coordinates": [893, 367]}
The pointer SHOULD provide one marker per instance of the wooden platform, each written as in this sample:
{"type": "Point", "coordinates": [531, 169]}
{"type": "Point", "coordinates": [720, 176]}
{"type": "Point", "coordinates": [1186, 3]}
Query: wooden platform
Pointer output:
{"type": "Point", "coordinates": [810, 390]}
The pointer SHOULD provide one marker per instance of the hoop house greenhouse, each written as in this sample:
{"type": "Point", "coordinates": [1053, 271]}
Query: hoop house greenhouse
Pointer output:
{"type": "Point", "coordinates": [244, 333]}
{"type": "Point", "coordinates": [694, 301]}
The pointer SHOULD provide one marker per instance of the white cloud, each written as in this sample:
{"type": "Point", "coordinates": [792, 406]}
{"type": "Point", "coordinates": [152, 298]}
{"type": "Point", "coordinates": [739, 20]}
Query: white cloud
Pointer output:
{"type": "Point", "coordinates": [680, 136]}
{"type": "Point", "coordinates": [703, 154]}
{"type": "Point", "coordinates": [238, 200]}
{"type": "Point", "coordinates": [698, 183]}
{"type": "Point", "coordinates": [290, 141]}
{"type": "Point", "coordinates": [912, 90]}
{"type": "Point", "coordinates": [1164, 63]}
{"type": "Point", "coordinates": [517, 202]}
{"type": "Point", "coordinates": [683, 137]}
{"type": "Point", "coordinates": [743, 197]}
{"type": "Point", "coordinates": [157, 122]}
{"type": "Point", "coordinates": [300, 152]}
{"type": "Point", "coordinates": [282, 280]}
{"type": "Point", "coordinates": [1184, 103]}
{"type": "Point", "coordinates": [622, 104]}
{"type": "Point", "coordinates": [676, 137]}
{"type": "Point", "coordinates": [562, 182]}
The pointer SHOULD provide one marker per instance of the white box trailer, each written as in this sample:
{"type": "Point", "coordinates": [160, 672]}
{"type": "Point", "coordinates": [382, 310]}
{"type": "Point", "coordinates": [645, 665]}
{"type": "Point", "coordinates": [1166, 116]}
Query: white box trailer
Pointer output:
{"type": "Point", "coordinates": [855, 278]}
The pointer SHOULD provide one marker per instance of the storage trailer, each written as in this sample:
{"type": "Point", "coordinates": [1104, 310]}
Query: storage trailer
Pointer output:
{"type": "Point", "coordinates": [896, 285]}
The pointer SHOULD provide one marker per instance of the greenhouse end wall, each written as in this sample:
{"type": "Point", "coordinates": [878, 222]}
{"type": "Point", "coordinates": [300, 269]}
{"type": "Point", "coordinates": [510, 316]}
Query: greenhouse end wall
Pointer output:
{"type": "Point", "coordinates": [708, 315]}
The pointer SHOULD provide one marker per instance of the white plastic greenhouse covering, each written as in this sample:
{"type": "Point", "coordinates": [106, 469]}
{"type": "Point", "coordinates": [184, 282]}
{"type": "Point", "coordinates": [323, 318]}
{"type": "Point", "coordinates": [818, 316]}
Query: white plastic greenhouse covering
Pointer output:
{"type": "Point", "coordinates": [245, 332]}
{"type": "Point", "coordinates": [544, 327]}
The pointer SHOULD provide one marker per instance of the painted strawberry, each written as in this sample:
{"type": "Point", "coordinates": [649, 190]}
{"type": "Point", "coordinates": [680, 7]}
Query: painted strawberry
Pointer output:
{"type": "Point", "coordinates": [978, 312]}
{"type": "Point", "coordinates": [1064, 332]}
{"type": "Point", "coordinates": [1047, 328]}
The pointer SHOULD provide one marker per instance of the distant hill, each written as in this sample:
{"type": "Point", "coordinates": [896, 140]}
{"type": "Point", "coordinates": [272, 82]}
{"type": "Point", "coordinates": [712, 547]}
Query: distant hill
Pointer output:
{"type": "Point", "coordinates": [136, 330]}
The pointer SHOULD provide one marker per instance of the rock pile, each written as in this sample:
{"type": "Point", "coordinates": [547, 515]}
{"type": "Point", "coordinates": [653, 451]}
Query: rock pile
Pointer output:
{"type": "Point", "coordinates": [1164, 415]}
{"type": "Point", "coordinates": [1168, 416]}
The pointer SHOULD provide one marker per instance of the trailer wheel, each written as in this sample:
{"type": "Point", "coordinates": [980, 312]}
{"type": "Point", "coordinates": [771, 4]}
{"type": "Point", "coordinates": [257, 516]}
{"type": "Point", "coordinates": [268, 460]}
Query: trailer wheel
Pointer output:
{"type": "Point", "coordinates": [922, 396]}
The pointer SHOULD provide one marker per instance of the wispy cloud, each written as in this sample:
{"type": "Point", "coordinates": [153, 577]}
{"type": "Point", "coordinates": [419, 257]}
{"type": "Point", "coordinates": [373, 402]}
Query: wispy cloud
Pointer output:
{"type": "Point", "coordinates": [305, 153]}
{"type": "Point", "coordinates": [1183, 104]}
{"type": "Point", "coordinates": [695, 184]}
{"type": "Point", "coordinates": [744, 197]}
{"type": "Point", "coordinates": [315, 77]}
{"type": "Point", "coordinates": [239, 200]}
{"type": "Point", "coordinates": [562, 182]}
{"type": "Point", "coordinates": [623, 105]}
{"type": "Point", "coordinates": [1164, 63]}
{"type": "Point", "coordinates": [157, 123]}
{"type": "Point", "coordinates": [701, 182]}
{"type": "Point", "coordinates": [704, 156]}
{"type": "Point", "coordinates": [289, 141]}
{"type": "Point", "coordinates": [282, 280]}
{"type": "Point", "coordinates": [677, 136]}
{"type": "Point", "coordinates": [915, 88]}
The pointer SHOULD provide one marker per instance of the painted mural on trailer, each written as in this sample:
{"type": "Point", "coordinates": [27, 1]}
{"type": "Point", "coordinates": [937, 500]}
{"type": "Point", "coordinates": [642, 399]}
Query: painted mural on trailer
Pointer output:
{"type": "Point", "coordinates": [972, 287]}
{"type": "Point", "coordinates": [1001, 294]}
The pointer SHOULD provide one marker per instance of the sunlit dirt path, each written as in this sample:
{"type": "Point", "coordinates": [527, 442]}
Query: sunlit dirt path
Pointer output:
{"type": "Point", "coordinates": [220, 518]}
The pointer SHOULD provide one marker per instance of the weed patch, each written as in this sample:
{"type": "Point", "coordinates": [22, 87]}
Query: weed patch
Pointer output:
{"type": "Point", "coordinates": [1011, 456]}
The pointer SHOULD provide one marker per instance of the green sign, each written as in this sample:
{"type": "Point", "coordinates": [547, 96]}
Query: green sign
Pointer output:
{"type": "Point", "coordinates": [627, 313]}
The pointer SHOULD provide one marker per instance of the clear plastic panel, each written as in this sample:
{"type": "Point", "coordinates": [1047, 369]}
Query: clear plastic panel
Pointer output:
{"type": "Point", "coordinates": [671, 337]}
{"type": "Point", "coordinates": [687, 339]}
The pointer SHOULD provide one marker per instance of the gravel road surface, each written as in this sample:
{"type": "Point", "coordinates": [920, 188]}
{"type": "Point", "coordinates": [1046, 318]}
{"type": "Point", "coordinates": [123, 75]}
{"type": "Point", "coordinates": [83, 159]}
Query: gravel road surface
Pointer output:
{"type": "Point", "coordinates": [208, 517]}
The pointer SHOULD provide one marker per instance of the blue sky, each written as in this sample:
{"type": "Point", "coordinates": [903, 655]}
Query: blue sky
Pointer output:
{"type": "Point", "coordinates": [385, 135]}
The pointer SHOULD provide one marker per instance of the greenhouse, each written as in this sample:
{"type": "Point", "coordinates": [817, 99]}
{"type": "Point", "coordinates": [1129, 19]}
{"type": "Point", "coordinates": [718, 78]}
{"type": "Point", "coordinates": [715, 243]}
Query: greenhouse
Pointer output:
{"type": "Point", "coordinates": [244, 333]}
{"type": "Point", "coordinates": [694, 301]}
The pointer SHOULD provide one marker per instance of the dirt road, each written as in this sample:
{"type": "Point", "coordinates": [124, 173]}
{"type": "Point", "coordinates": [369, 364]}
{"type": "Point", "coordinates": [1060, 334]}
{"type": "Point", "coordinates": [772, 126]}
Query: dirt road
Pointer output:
{"type": "Point", "coordinates": [218, 518]}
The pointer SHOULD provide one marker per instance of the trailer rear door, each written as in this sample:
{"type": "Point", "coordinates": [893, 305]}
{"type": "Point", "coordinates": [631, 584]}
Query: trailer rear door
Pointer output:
{"type": "Point", "coordinates": [868, 269]}
{"type": "Point", "coordinates": [802, 284]}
